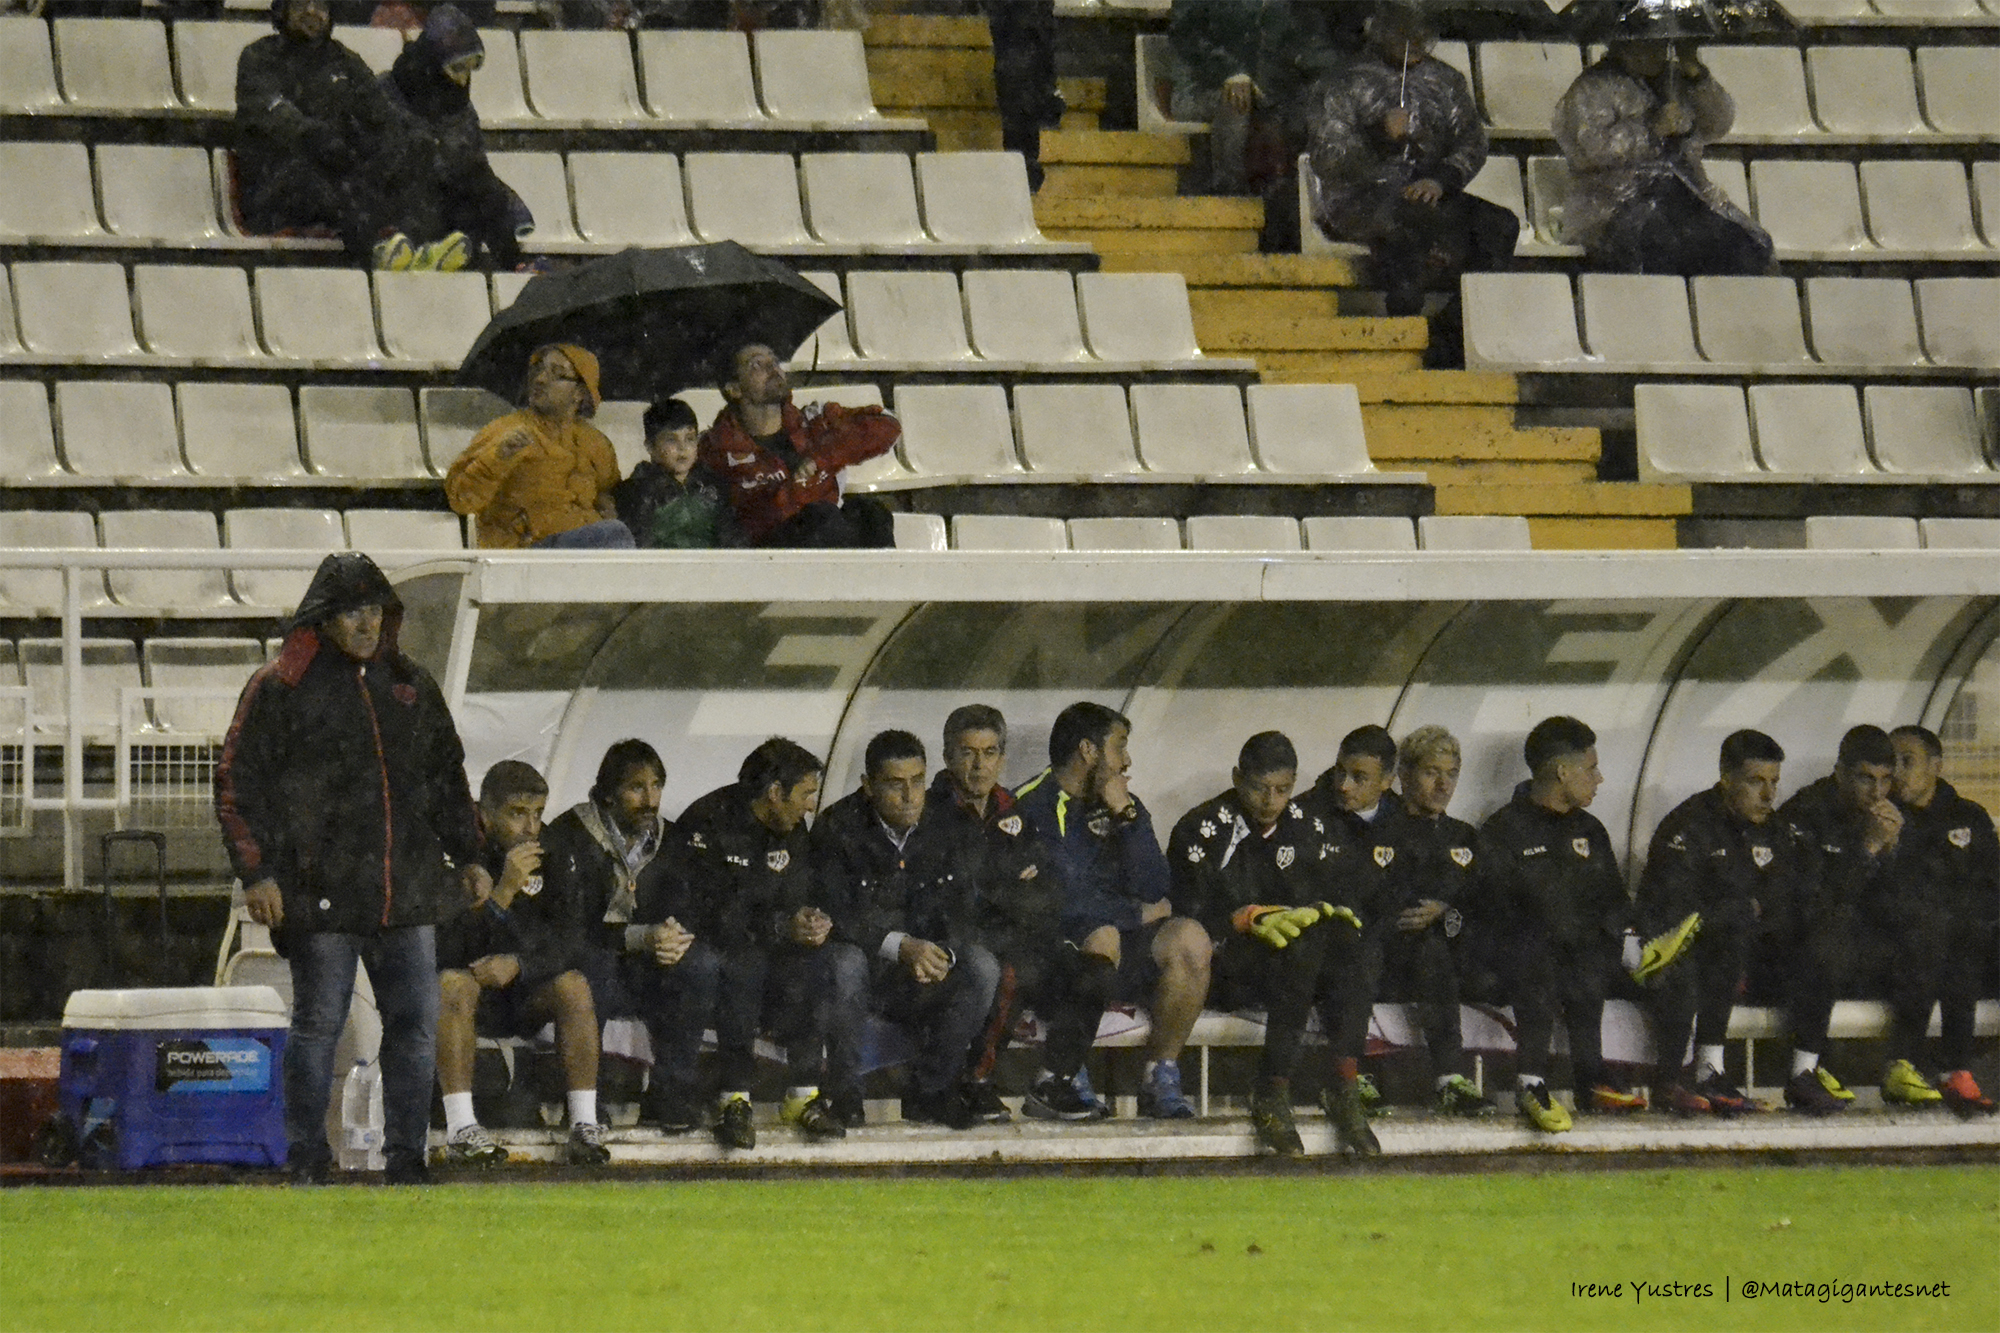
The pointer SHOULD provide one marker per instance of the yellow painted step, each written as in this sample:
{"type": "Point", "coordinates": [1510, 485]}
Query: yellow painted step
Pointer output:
{"type": "Point", "coordinates": [1083, 94]}
{"type": "Point", "coordinates": [1439, 386]}
{"type": "Point", "coordinates": [923, 30]}
{"type": "Point", "coordinates": [1603, 534]}
{"type": "Point", "coordinates": [1151, 214]}
{"type": "Point", "coordinates": [1333, 367]}
{"type": "Point", "coordinates": [1245, 303]}
{"type": "Point", "coordinates": [1156, 251]}
{"type": "Point", "coordinates": [1256, 270]}
{"type": "Point", "coordinates": [907, 77]}
{"type": "Point", "coordinates": [1506, 472]}
{"type": "Point", "coordinates": [960, 130]}
{"type": "Point", "coordinates": [1397, 430]}
{"type": "Point", "coordinates": [1114, 147]}
{"type": "Point", "coordinates": [1588, 499]}
{"type": "Point", "coordinates": [1101, 179]}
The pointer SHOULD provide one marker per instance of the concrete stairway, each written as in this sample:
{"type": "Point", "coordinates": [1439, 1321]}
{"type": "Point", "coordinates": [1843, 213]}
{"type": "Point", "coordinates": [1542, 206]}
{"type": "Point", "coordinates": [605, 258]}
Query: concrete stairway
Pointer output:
{"type": "Point", "coordinates": [942, 69]}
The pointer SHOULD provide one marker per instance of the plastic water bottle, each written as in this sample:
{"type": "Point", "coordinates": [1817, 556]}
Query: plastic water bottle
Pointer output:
{"type": "Point", "coordinates": [361, 1118]}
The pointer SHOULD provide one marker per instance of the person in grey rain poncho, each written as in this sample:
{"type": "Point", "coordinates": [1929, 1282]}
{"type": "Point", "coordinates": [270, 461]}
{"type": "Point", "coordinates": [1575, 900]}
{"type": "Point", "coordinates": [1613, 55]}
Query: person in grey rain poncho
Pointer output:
{"type": "Point", "coordinates": [1395, 139]}
{"type": "Point", "coordinates": [1633, 127]}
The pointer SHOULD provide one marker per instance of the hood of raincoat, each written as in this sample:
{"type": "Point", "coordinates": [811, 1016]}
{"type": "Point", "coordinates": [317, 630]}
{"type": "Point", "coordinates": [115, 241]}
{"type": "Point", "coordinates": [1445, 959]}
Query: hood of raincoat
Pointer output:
{"type": "Point", "coordinates": [448, 35]}
{"type": "Point", "coordinates": [344, 580]}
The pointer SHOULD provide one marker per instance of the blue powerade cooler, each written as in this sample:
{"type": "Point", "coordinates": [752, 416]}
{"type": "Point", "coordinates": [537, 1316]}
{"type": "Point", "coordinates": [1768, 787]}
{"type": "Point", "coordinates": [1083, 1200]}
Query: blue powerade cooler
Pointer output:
{"type": "Point", "coordinates": [175, 1074]}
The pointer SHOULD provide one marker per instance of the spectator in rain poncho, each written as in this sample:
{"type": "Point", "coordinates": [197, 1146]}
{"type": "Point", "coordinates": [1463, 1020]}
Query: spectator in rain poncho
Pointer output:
{"type": "Point", "coordinates": [1633, 127]}
{"type": "Point", "coordinates": [431, 82]}
{"type": "Point", "coordinates": [1395, 140]}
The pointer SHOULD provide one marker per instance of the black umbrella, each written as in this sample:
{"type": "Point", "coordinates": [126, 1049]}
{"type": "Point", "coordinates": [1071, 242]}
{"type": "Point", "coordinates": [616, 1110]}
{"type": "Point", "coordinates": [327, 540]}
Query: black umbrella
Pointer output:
{"type": "Point", "coordinates": [1674, 20]}
{"type": "Point", "coordinates": [655, 318]}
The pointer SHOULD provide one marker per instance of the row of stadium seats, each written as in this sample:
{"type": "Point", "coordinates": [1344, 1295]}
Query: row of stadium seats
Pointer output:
{"type": "Point", "coordinates": [1210, 532]}
{"type": "Point", "coordinates": [1863, 532]}
{"type": "Point", "coordinates": [111, 666]}
{"type": "Point", "coordinates": [801, 80]}
{"type": "Point", "coordinates": [209, 434]}
{"type": "Point", "coordinates": [202, 592]}
{"type": "Point", "coordinates": [1812, 432]}
{"type": "Point", "coordinates": [1883, 209]}
{"type": "Point", "coordinates": [999, 320]}
{"type": "Point", "coordinates": [820, 204]}
{"type": "Point", "coordinates": [1924, 12]}
{"type": "Point", "coordinates": [1634, 323]}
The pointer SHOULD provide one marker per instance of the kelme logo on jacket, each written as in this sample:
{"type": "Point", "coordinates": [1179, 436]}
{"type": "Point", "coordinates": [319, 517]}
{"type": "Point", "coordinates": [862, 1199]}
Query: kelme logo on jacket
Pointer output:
{"type": "Point", "coordinates": [778, 860]}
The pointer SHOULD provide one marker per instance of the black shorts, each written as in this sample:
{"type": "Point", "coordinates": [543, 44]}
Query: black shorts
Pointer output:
{"type": "Point", "coordinates": [508, 1011]}
{"type": "Point", "coordinates": [1138, 972]}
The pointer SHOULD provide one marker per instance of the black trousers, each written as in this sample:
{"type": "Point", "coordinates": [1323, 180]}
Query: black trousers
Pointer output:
{"type": "Point", "coordinates": [1554, 980]}
{"type": "Point", "coordinates": [1671, 229]}
{"type": "Point", "coordinates": [739, 991]}
{"type": "Point", "coordinates": [1429, 245]}
{"type": "Point", "coordinates": [1701, 986]}
{"type": "Point", "coordinates": [857, 521]}
{"type": "Point", "coordinates": [1024, 76]}
{"type": "Point", "coordinates": [1829, 961]}
{"type": "Point", "coordinates": [1068, 990]}
{"type": "Point", "coordinates": [1935, 952]}
{"type": "Point", "coordinates": [1320, 968]}
{"type": "Point", "coordinates": [1420, 967]}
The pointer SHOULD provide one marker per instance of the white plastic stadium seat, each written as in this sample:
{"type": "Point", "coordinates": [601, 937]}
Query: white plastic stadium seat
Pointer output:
{"type": "Point", "coordinates": [1750, 322]}
{"type": "Point", "coordinates": [749, 198]}
{"type": "Point", "coordinates": [205, 55]}
{"type": "Point", "coordinates": [1124, 534]}
{"type": "Point", "coordinates": [1809, 430]}
{"type": "Point", "coordinates": [862, 200]}
{"type": "Point", "coordinates": [497, 91]}
{"type": "Point", "coordinates": [1811, 209]}
{"type": "Point", "coordinates": [239, 431]}
{"type": "Point", "coordinates": [978, 199]}
{"type": "Point", "coordinates": [316, 530]}
{"type": "Point", "coordinates": [1075, 431]}
{"type": "Point", "coordinates": [1927, 430]}
{"type": "Point", "coordinates": [907, 316]}
{"type": "Point", "coordinates": [1638, 320]}
{"type": "Point", "coordinates": [1308, 429]}
{"type": "Point", "coordinates": [1242, 532]}
{"type": "Point", "coordinates": [1956, 315]}
{"type": "Point", "coordinates": [920, 532]}
{"type": "Point", "coordinates": [1481, 533]}
{"type": "Point", "coordinates": [1192, 429]}
{"type": "Point", "coordinates": [27, 439]}
{"type": "Point", "coordinates": [48, 194]}
{"type": "Point", "coordinates": [623, 423]}
{"type": "Point", "coordinates": [111, 428]}
{"type": "Point", "coordinates": [1693, 430]}
{"type": "Point", "coordinates": [1855, 532]}
{"type": "Point", "coordinates": [75, 311]}
{"type": "Point", "coordinates": [1142, 317]}
{"type": "Point", "coordinates": [165, 530]}
{"type": "Point", "coordinates": [324, 316]}
{"type": "Point", "coordinates": [1921, 207]}
{"type": "Point", "coordinates": [1024, 315]}
{"type": "Point", "coordinates": [699, 78]}
{"type": "Point", "coordinates": [1866, 91]}
{"type": "Point", "coordinates": [507, 286]}
{"type": "Point", "coordinates": [452, 417]}
{"type": "Point", "coordinates": [165, 195]}
{"type": "Point", "coordinates": [10, 336]}
{"type": "Point", "coordinates": [1342, 533]}
{"type": "Point", "coordinates": [1829, 11]}
{"type": "Point", "coordinates": [630, 199]}
{"type": "Point", "coordinates": [404, 530]}
{"type": "Point", "coordinates": [1520, 319]}
{"type": "Point", "coordinates": [819, 76]}
{"type": "Point", "coordinates": [432, 318]}
{"type": "Point", "coordinates": [30, 590]}
{"type": "Point", "coordinates": [1499, 182]}
{"type": "Point", "coordinates": [1958, 84]}
{"type": "Point", "coordinates": [1523, 81]}
{"type": "Point", "coordinates": [27, 67]}
{"type": "Point", "coordinates": [377, 47]}
{"type": "Point", "coordinates": [198, 313]}
{"type": "Point", "coordinates": [1960, 534]}
{"type": "Point", "coordinates": [957, 430]}
{"type": "Point", "coordinates": [582, 77]}
{"type": "Point", "coordinates": [109, 665]}
{"type": "Point", "coordinates": [1768, 85]}
{"type": "Point", "coordinates": [1933, 11]}
{"type": "Point", "coordinates": [544, 187]}
{"type": "Point", "coordinates": [831, 345]}
{"type": "Point", "coordinates": [116, 65]}
{"type": "Point", "coordinates": [362, 433]}
{"type": "Point", "coordinates": [1869, 323]}
{"type": "Point", "coordinates": [220, 666]}
{"type": "Point", "coordinates": [1007, 532]}
{"type": "Point", "coordinates": [1986, 199]}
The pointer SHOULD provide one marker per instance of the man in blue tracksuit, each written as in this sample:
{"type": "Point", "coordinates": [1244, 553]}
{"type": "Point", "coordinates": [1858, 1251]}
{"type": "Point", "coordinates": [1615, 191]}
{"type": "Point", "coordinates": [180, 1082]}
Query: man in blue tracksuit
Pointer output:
{"type": "Point", "coordinates": [1116, 886]}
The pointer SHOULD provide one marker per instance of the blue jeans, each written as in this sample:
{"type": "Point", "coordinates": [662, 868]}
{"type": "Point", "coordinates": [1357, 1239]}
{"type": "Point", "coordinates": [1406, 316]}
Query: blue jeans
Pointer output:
{"type": "Point", "coordinates": [607, 534]}
{"type": "Point", "coordinates": [402, 966]}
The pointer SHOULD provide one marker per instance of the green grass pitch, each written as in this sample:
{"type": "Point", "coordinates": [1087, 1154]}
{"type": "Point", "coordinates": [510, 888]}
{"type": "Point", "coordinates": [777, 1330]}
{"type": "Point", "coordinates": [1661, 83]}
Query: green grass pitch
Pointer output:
{"type": "Point", "coordinates": [1305, 1251]}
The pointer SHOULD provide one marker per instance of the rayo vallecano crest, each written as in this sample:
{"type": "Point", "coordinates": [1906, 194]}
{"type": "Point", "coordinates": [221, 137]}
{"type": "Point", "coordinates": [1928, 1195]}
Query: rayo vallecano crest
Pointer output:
{"type": "Point", "coordinates": [777, 861]}
{"type": "Point", "coordinates": [1959, 837]}
{"type": "Point", "coordinates": [1461, 857]}
{"type": "Point", "coordinates": [1011, 825]}
{"type": "Point", "coordinates": [1384, 855]}
{"type": "Point", "coordinates": [1762, 856]}
{"type": "Point", "coordinates": [1581, 846]}
{"type": "Point", "coordinates": [1285, 858]}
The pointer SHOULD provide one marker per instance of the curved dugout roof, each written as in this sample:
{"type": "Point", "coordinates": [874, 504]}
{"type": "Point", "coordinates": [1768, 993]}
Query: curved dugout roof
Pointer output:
{"type": "Point", "coordinates": [553, 664]}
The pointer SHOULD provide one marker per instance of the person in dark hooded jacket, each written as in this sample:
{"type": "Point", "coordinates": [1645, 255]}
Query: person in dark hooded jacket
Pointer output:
{"type": "Point", "coordinates": [344, 807]}
{"type": "Point", "coordinates": [431, 83]}
{"type": "Point", "coordinates": [317, 144]}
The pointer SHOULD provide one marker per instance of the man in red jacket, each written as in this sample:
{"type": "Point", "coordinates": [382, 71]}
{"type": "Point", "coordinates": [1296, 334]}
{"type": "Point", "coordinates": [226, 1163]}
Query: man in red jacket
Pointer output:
{"type": "Point", "coordinates": [779, 463]}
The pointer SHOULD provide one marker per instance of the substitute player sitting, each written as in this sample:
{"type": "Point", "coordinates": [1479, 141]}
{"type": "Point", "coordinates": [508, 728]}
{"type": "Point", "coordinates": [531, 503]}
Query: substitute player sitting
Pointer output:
{"type": "Point", "coordinates": [1250, 867]}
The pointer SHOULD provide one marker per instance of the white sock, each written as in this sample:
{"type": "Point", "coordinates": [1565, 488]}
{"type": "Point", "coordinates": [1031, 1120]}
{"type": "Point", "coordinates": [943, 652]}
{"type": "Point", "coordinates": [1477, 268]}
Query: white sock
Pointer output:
{"type": "Point", "coordinates": [1529, 1081]}
{"type": "Point", "coordinates": [582, 1106]}
{"type": "Point", "coordinates": [1708, 1058]}
{"type": "Point", "coordinates": [458, 1112]}
{"type": "Point", "coordinates": [1804, 1062]}
{"type": "Point", "coordinates": [801, 1094]}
